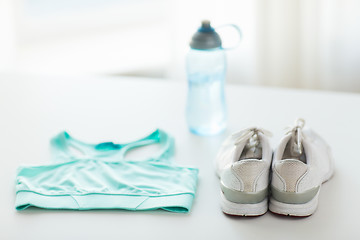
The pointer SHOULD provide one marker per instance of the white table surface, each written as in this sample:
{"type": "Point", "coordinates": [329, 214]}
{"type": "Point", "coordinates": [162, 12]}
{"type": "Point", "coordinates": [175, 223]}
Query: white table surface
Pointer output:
{"type": "Point", "coordinates": [33, 109]}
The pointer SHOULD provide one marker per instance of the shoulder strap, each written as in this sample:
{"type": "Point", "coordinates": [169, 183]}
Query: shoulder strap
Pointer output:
{"type": "Point", "coordinates": [158, 136]}
{"type": "Point", "coordinates": [64, 148]}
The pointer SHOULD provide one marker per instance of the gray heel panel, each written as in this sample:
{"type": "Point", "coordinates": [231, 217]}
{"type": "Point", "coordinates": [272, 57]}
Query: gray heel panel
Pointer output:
{"type": "Point", "coordinates": [293, 197]}
{"type": "Point", "coordinates": [243, 197]}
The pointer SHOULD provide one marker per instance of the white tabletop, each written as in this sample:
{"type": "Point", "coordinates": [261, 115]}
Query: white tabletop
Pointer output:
{"type": "Point", "coordinates": [33, 109]}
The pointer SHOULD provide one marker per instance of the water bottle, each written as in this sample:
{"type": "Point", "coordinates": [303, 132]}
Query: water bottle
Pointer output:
{"type": "Point", "coordinates": [206, 111]}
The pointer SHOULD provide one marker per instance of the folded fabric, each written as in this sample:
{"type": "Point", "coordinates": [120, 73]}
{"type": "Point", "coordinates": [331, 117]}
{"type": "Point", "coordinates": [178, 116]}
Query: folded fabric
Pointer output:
{"type": "Point", "coordinates": [97, 176]}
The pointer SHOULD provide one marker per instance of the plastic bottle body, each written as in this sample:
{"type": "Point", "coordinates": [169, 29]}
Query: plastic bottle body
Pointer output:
{"type": "Point", "coordinates": [206, 107]}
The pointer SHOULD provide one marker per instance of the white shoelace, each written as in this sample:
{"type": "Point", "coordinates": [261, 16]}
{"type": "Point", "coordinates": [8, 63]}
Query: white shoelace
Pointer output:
{"type": "Point", "coordinates": [250, 134]}
{"type": "Point", "coordinates": [296, 148]}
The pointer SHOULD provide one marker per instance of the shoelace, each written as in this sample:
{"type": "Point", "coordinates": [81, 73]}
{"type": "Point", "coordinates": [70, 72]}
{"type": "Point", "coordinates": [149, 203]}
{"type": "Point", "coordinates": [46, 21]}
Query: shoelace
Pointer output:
{"type": "Point", "coordinates": [250, 134]}
{"type": "Point", "coordinates": [296, 148]}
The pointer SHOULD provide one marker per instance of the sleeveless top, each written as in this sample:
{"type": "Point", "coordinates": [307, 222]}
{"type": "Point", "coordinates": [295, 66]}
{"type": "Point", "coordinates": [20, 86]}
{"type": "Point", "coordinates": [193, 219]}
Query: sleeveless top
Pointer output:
{"type": "Point", "coordinates": [99, 177]}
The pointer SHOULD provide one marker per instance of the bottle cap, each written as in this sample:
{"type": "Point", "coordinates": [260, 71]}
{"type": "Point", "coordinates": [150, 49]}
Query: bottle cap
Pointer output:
{"type": "Point", "coordinates": [205, 38]}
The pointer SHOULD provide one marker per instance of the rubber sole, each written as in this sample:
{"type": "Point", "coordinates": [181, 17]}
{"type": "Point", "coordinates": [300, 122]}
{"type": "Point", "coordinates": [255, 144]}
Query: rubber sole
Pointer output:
{"type": "Point", "coordinates": [298, 210]}
{"type": "Point", "coordinates": [240, 209]}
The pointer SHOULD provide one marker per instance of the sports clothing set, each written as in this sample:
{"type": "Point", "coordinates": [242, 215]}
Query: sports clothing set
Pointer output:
{"type": "Point", "coordinates": [253, 179]}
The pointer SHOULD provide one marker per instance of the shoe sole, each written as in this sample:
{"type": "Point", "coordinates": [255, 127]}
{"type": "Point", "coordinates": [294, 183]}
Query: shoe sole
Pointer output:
{"type": "Point", "coordinates": [240, 209]}
{"type": "Point", "coordinates": [298, 210]}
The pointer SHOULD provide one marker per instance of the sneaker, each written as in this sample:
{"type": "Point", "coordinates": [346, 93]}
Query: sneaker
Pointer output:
{"type": "Point", "coordinates": [243, 164]}
{"type": "Point", "coordinates": [301, 163]}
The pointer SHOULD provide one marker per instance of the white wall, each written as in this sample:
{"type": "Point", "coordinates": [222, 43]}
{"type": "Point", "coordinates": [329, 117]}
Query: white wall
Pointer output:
{"type": "Point", "coordinates": [297, 43]}
{"type": "Point", "coordinates": [309, 44]}
{"type": "Point", "coordinates": [7, 35]}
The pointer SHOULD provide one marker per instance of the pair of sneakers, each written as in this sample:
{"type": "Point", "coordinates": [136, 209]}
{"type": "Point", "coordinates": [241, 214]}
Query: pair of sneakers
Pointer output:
{"type": "Point", "coordinates": [288, 182]}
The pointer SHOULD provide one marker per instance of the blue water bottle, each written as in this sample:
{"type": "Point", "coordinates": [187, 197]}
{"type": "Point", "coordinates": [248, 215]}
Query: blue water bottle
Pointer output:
{"type": "Point", "coordinates": [206, 111]}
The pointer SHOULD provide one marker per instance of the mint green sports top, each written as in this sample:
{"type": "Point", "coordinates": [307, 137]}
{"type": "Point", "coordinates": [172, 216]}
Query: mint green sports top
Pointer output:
{"type": "Point", "coordinates": [103, 179]}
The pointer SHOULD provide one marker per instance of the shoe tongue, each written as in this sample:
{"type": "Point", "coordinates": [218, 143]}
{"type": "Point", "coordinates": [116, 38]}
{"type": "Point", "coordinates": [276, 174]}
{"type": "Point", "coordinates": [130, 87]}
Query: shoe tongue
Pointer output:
{"type": "Point", "coordinates": [255, 153]}
{"type": "Point", "coordinates": [250, 153]}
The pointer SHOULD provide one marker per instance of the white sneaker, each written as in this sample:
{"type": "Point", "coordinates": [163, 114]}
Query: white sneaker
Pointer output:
{"type": "Point", "coordinates": [243, 165]}
{"type": "Point", "coordinates": [301, 163]}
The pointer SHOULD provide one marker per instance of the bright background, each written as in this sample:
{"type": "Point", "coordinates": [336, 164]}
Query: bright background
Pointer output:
{"type": "Point", "coordinates": [288, 43]}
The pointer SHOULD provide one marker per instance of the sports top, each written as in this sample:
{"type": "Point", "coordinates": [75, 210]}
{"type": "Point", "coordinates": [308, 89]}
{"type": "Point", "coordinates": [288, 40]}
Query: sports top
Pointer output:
{"type": "Point", "coordinates": [99, 177]}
